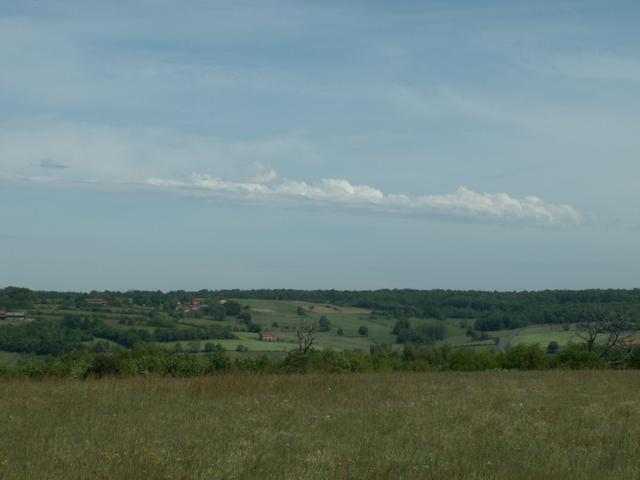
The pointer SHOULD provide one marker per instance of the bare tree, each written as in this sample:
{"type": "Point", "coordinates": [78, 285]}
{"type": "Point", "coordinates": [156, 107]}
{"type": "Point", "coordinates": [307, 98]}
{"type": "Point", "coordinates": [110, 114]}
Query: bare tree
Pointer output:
{"type": "Point", "coordinates": [612, 325]}
{"type": "Point", "coordinates": [305, 332]}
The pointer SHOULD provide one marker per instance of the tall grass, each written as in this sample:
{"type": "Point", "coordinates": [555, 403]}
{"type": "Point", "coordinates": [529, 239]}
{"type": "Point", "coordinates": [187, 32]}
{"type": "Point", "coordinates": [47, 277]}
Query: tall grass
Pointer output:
{"type": "Point", "coordinates": [502, 425]}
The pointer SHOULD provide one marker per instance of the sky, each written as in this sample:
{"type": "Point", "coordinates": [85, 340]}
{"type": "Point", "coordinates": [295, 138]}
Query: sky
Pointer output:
{"type": "Point", "coordinates": [489, 145]}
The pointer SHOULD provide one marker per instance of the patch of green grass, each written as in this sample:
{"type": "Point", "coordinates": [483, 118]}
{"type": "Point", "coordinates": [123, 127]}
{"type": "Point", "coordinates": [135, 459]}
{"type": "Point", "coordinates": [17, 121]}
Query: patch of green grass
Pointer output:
{"type": "Point", "coordinates": [10, 359]}
{"type": "Point", "coordinates": [543, 334]}
{"type": "Point", "coordinates": [543, 338]}
{"type": "Point", "coordinates": [489, 425]}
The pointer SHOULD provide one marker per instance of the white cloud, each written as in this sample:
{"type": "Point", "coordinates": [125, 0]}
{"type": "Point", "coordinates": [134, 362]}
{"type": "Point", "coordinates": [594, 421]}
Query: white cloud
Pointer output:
{"type": "Point", "coordinates": [93, 156]}
{"type": "Point", "coordinates": [117, 154]}
{"type": "Point", "coordinates": [461, 204]}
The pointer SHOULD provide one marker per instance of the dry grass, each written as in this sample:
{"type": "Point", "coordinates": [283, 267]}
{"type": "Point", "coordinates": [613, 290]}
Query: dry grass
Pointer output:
{"type": "Point", "coordinates": [502, 425]}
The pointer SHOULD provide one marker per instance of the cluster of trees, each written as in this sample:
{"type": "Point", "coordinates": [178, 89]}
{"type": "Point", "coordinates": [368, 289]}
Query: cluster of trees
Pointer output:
{"type": "Point", "coordinates": [424, 334]}
{"type": "Point", "coordinates": [491, 310]}
{"type": "Point", "coordinates": [146, 359]}
{"type": "Point", "coordinates": [56, 337]}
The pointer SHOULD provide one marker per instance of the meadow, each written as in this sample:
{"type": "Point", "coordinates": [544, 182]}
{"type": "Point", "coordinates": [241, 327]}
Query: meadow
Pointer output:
{"type": "Point", "coordinates": [485, 425]}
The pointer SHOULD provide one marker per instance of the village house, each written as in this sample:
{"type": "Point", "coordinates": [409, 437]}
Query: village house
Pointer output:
{"type": "Point", "coordinates": [97, 301]}
{"type": "Point", "coordinates": [269, 337]}
{"type": "Point", "coordinates": [14, 316]}
{"type": "Point", "coordinates": [195, 305]}
{"type": "Point", "coordinates": [3, 313]}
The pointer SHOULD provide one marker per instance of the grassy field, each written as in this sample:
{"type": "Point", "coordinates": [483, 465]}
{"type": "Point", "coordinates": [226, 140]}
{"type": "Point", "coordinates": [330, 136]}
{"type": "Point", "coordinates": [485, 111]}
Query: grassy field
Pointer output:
{"type": "Point", "coordinates": [281, 316]}
{"type": "Point", "coordinates": [543, 334]}
{"type": "Point", "coordinates": [491, 425]}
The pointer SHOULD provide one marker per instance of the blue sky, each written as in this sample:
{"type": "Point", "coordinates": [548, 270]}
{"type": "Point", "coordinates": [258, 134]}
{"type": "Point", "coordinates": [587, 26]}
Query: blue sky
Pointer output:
{"type": "Point", "coordinates": [165, 145]}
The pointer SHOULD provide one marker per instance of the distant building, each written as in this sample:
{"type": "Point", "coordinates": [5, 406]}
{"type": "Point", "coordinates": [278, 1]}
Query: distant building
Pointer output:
{"type": "Point", "coordinates": [97, 301]}
{"type": "Point", "coordinates": [269, 337]}
{"type": "Point", "coordinates": [14, 316]}
{"type": "Point", "coordinates": [195, 305]}
{"type": "Point", "coordinates": [3, 313]}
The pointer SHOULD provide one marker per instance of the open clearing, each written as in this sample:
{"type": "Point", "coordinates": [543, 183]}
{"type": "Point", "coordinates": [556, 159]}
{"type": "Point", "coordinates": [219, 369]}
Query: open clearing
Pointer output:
{"type": "Point", "coordinates": [489, 425]}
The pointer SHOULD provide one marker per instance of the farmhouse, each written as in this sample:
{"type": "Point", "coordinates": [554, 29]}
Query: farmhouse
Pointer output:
{"type": "Point", "coordinates": [97, 301]}
{"type": "Point", "coordinates": [14, 316]}
{"type": "Point", "coordinates": [269, 337]}
{"type": "Point", "coordinates": [195, 305]}
{"type": "Point", "coordinates": [3, 313]}
{"type": "Point", "coordinates": [183, 308]}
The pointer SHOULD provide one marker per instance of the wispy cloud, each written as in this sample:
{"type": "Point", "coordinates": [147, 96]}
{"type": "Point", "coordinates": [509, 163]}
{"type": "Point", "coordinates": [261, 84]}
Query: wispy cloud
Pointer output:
{"type": "Point", "coordinates": [463, 204]}
{"type": "Point", "coordinates": [265, 187]}
{"type": "Point", "coordinates": [107, 157]}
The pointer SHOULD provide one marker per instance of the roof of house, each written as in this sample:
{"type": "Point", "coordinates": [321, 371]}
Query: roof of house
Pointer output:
{"type": "Point", "coordinates": [269, 334]}
{"type": "Point", "coordinates": [96, 300]}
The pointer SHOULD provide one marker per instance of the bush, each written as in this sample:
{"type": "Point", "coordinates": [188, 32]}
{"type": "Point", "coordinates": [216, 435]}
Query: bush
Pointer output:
{"type": "Point", "coordinates": [525, 357]}
{"type": "Point", "coordinates": [553, 347]}
{"type": "Point", "coordinates": [324, 325]}
{"type": "Point", "coordinates": [104, 364]}
{"type": "Point", "coordinates": [466, 359]}
{"type": "Point", "coordinates": [578, 357]}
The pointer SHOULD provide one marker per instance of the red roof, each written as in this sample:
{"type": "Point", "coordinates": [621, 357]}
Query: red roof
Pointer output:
{"type": "Point", "coordinates": [97, 301]}
{"type": "Point", "coordinates": [269, 334]}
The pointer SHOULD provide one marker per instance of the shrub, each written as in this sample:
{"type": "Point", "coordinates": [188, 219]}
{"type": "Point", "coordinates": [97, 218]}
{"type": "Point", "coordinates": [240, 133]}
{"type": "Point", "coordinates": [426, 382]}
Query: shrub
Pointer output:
{"type": "Point", "coordinates": [553, 347]}
{"type": "Point", "coordinates": [525, 357]}
{"type": "Point", "coordinates": [466, 359]}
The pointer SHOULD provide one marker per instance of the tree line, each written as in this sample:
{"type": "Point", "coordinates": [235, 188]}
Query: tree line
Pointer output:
{"type": "Point", "coordinates": [56, 337]}
{"type": "Point", "coordinates": [146, 359]}
{"type": "Point", "coordinates": [491, 310]}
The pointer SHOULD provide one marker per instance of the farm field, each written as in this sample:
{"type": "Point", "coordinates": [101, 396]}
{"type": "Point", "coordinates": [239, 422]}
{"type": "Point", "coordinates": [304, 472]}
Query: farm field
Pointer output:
{"type": "Point", "coordinates": [120, 323]}
{"type": "Point", "coordinates": [279, 316]}
{"type": "Point", "coordinates": [499, 425]}
{"type": "Point", "coordinates": [543, 334]}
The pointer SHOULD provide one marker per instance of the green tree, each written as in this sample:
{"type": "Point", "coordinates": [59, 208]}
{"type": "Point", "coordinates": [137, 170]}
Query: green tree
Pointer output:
{"type": "Point", "coordinates": [340, 332]}
{"type": "Point", "coordinates": [232, 308]}
{"type": "Point", "coordinates": [401, 325]}
{"type": "Point", "coordinates": [245, 317]}
{"type": "Point", "coordinates": [363, 331]}
{"type": "Point", "coordinates": [324, 324]}
{"type": "Point", "coordinates": [217, 311]}
{"type": "Point", "coordinates": [553, 347]}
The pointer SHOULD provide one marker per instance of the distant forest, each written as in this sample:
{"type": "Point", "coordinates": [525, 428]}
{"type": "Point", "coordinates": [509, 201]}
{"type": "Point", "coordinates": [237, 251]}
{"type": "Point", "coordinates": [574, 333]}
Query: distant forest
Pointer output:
{"type": "Point", "coordinates": [490, 310]}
